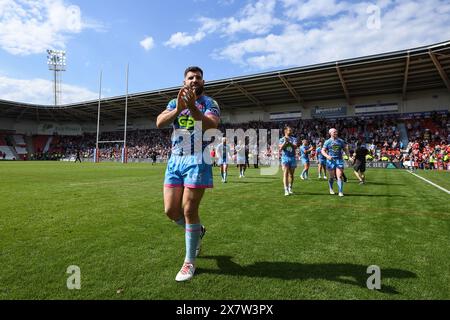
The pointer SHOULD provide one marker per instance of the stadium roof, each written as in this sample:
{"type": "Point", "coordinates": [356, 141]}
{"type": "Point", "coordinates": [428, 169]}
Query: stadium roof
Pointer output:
{"type": "Point", "coordinates": [397, 72]}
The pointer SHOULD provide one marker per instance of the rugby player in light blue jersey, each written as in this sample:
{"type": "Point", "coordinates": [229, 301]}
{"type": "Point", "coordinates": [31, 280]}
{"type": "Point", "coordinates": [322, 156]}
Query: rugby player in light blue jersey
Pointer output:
{"type": "Point", "coordinates": [333, 150]}
{"type": "Point", "coordinates": [288, 146]}
{"type": "Point", "coordinates": [240, 158]}
{"type": "Point", "coordinates": [224, 157]}
{"type": "Point", "coordinates": [305, 151]}
{"type": "Point", "coordinates": [321, 160]}
{"type": "Point", "coordinates": [188, 174]}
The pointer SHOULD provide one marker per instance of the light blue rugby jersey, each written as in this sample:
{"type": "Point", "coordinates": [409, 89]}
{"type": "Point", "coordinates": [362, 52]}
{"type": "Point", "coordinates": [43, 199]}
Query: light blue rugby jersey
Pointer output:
{"type": "Point", "coordinates": [289, 150]}
{"type": "Point", "coordinates": [303, 153]}
{"type": "Point", "coordinates": [319, 154]}
{"type": "Point", "coordinates": [223, 151]}
{"type": "Point", "coordinates": [335, 148]}
{"type": "Point", "coordinates": [186, 122]}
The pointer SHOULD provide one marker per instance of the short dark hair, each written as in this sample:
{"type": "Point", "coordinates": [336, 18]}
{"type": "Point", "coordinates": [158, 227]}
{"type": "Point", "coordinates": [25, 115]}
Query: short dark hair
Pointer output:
{"type": "Point", "coordinates": [193, 69]}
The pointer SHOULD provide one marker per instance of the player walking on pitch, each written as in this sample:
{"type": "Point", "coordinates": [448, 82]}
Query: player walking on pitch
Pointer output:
{"type": "Point", "coordinates": [321, 161]}
{"type": "Point", "coordinates": [359, 160]}
{"type": "Point", "coordinates": [223, 151]}
{"type": "Point", "coordinates": [305, 150]}
{"type": "Point", "coordinates": [333, 150]}
{"type": "Point", "coordinates": [288, 145]}
{"type": "Point", "coordinates": [240, 158]}
{"type": "Point", "coordinates": [78, 157]}
{"type": "Point", "coordinates": [188, 174]}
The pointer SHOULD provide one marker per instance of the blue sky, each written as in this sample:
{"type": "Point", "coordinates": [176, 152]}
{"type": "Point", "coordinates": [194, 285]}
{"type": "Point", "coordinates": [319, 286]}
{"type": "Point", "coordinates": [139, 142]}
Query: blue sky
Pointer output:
{"type": "Point", "coordinates": [226, 38]}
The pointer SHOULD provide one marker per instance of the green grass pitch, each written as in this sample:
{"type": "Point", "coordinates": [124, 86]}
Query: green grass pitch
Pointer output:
{"type": "Point", "coordinates": [108, 219]}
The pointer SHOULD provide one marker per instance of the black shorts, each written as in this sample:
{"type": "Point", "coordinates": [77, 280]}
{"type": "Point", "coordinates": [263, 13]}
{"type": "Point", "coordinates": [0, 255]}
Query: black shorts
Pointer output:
{"type": "Point", "coordinates": [359, 166]}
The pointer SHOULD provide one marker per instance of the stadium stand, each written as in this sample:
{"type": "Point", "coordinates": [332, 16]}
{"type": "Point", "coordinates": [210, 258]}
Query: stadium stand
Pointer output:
{"type": "Point", "coordinates": [2, 140]}
{"type": "Point", "coordinates": [426, 137]}
{"type": "Point", "coordinates": [19, 141]}
{"type": "Point", "coordinates": [21, 150]}
{"type": "Point", "coordinates": [387, 100]}
{"type": "Point", "coordinates": [39, 143]}
{"type": "Point", "coordinates": [6, 153]}
{"type": "Point", "coordinates": [19, 147]}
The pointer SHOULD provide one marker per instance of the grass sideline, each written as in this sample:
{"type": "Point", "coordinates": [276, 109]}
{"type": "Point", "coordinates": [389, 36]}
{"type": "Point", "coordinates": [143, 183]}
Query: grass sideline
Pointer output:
{"type": "Point", "coordinates": [441, 178]}
{"type": "Point", "coordinates": [108, 219]}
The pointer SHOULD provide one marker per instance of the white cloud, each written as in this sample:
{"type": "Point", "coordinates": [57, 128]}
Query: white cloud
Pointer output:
{"type": "Point", "coordinates": [209, 25]}
{"type": "Point", "coordinates": [40, 91]}
{"type": "Point", "coordinates": [32, 26]}
{"type": "Point", "coordinates": [148, 43]}
{"type": "Point", "coordinates": [182, 39]}
{"type": "Point", "coordinates": [255, 18]}
{"type": "Point", "coordinates": [403, 24]}
{"type": "Point", "coordinates": [313, 8]}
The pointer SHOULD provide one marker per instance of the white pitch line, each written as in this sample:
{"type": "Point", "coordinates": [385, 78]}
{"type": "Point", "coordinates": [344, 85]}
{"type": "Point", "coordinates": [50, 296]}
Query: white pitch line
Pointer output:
{"type": "Point", "coordinates": [433, 184]}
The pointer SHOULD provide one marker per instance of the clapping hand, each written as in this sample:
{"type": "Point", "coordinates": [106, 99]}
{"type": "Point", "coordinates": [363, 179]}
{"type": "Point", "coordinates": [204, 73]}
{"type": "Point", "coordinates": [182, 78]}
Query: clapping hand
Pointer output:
{"type": "Point", "coordinates": [189, 97]}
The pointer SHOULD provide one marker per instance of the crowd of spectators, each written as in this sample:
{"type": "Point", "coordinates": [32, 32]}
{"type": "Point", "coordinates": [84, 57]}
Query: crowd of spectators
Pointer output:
{"type": "Point", "coordinates": [428, 147]}
{"type": "Point", "coordinates": [429, 142]}
{"type": "Point", "coordinates": [381, 134]}
{"type": "Point", "coordinates": [141, 144]}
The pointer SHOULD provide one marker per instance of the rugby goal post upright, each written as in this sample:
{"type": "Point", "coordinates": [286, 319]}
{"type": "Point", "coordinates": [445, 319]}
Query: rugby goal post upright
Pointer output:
{"type": "Point", "coordinates": [124, 149]}
{"type": "Point", "coordinates": [124, 153]}
{"type": "Point", "coordinates": [96, 151]}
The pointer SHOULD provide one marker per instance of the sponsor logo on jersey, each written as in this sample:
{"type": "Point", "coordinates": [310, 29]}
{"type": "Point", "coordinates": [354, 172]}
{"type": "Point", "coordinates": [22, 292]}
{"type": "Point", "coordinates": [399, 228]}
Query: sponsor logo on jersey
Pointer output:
{"type": "Point", "coordinates": [186, 122]}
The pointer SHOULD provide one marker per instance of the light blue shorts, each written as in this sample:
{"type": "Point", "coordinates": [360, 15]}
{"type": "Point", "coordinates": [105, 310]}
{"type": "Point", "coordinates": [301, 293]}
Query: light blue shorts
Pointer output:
{"type": "Point", "coordinates": [222, 161]}
{"type": "Point", "coordinates": [335, 164]}
{"type": "Point", "coordinates": [290, 162]}
{"type": "Point", "coordinates": [240, 160]}
{"type": "Point", "coordinates": [187, 171]}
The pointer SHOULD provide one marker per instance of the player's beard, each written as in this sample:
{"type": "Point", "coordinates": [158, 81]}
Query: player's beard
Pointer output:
{"type": "Point", "coordinates": [199, 90]}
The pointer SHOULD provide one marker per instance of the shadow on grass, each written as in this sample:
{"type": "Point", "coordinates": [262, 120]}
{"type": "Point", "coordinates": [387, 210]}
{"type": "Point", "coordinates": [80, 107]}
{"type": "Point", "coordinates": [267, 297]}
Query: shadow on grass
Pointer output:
{"type": "Point", "coordinates": [346, 273]}
{"type": "Point", "coordinates": [262, 177]}
{"type": "Point", "coordinates": [383, 183]}
{"type": "Point", "coordinates": [300, 193]}
{"type": "Point", "coordinates": [246, 182]}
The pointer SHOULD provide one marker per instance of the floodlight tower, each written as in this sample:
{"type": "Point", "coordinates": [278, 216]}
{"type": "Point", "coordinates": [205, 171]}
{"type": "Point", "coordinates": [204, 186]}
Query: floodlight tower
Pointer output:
{"type": "Point", "coordinates": [56, 60]}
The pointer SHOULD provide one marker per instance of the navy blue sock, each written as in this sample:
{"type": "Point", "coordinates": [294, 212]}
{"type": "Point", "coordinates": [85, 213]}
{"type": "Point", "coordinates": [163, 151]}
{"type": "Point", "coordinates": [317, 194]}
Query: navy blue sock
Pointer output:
{"type": "Point", "coordinates": [330, 183]}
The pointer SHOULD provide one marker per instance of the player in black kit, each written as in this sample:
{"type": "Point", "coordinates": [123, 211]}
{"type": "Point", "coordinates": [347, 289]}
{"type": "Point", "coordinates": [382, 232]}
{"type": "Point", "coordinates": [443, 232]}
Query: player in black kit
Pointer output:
{"type": "Point", "coordinates": [359, 162]}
